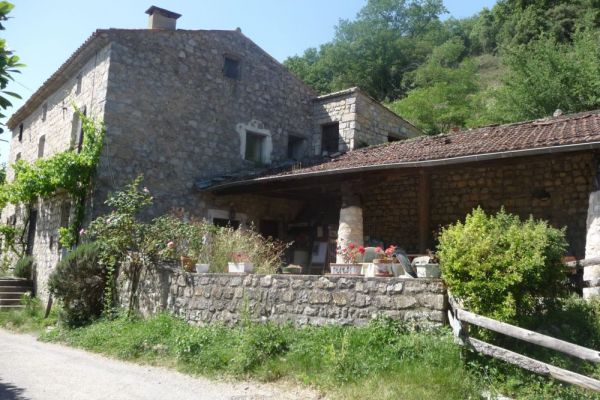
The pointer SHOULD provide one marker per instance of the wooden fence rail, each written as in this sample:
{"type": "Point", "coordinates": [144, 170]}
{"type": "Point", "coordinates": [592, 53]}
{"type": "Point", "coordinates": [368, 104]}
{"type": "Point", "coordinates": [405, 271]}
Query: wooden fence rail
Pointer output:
{"type": "Point", "coordinates": [460, 319]}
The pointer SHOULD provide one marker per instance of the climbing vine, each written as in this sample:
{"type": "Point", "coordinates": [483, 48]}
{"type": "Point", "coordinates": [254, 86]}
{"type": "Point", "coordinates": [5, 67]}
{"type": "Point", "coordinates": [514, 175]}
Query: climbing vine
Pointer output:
{"type": "Point", "coordinates": [70, 171]}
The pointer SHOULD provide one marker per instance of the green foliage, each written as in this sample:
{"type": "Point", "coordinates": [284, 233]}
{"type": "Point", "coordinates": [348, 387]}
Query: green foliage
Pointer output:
{"type": "Point", "coordinates": [79, 281]}
{"type": "Point", "coordinates": [24, 268]}
{"type": "Point", "coordinates": [549, 53]}
{"type": "Point", "coordinates": [374, 51]}
{"type": "Point", "coordinates": [69, 170]}
{"type": "Point", "coordinates": [501, 266]}
{"type": "Point", "coordinates": [225, 242]}
{"type": "Point", "coordinates": [444, 93]}
{"type": "Point", "coordinates": [30, 318]}
{"type": "Point", "coordinates": [9, 64]}
{"type": "Point", "coordinates": [384, 358]}
{"type": "Point", "coordinates": [546, 75]}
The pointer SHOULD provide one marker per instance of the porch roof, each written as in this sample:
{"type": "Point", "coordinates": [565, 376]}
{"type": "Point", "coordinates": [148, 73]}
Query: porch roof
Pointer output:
{"type": "Point", "coordinates": [574, 132]}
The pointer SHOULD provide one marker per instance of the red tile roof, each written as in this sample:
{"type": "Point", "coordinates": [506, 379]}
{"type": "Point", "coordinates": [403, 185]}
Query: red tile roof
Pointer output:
{"type": "Point", "coordinates": [556, 134]}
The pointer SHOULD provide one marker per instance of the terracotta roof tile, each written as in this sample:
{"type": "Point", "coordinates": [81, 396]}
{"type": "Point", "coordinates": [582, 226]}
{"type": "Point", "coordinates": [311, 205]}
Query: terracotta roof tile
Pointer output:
{"type": "Point", "coordinates": [544, 135]}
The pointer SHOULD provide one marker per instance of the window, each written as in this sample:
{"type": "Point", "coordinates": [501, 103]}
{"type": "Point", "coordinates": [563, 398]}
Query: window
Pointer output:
{"type": "Point", "coordinates": [77, 130]}
{"type": "Point", "coordinates": [44, 111]}
{"type": "Point", "coordinates": [231, 68]}
{"type": "Point", "coordinates": [41, 145]}
{"type": "Point", "coordinates": [20, 132]}
{"type": "Point", "coordinates": [18, 157]}
{"type": "Point", "coordinates": [296, 147]}
{"type": "Point", "coordinates": [330, 137]}
{"type": "Point", "coordinates": [78, 86]}
{"type": "Point", "coordinates": [255, 145]}
{"type": "Point", "coordinates": [393, 138]}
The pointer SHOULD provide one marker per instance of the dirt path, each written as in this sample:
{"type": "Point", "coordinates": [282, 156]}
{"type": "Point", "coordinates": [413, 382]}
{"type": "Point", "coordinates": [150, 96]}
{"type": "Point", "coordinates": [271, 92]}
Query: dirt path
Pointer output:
{"type": "Point", "coordinates": [31, 370]}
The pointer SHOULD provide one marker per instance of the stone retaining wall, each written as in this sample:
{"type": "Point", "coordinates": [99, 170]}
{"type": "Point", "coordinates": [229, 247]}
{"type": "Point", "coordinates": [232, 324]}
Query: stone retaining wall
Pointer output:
{"type": "Point", "coordinates": [300, 299]}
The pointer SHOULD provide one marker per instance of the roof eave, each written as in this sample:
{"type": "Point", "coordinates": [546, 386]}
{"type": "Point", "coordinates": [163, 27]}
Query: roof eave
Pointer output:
{"type": "Point", "coordinates": [417, 164]}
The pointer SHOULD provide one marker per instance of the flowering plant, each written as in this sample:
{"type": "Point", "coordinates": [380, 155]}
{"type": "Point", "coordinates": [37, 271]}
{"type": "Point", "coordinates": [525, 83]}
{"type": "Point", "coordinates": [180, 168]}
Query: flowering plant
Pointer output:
{"type": "Point", "coordinates": [385, 255]}
{"type": "Point", "coordinates": [350, 252]}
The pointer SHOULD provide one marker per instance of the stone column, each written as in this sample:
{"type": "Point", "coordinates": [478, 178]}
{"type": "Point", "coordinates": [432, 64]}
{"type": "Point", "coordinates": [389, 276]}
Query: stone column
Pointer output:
{"type": "Point", "coordinates": [351, 219]}
{"type": "Point", "coordinates": [591, 273]}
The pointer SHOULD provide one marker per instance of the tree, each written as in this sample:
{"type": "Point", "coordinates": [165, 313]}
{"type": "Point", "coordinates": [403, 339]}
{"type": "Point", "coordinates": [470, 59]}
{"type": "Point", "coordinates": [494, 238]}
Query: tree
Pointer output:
{"type": "Point", "coordinates": [546, 75]}
{"type": "Point", "coordinates": [444, 88]}
{"type": "Point", "coordinates": [9, 64]}
{"type": "Point", "coordinates": [387, 39]}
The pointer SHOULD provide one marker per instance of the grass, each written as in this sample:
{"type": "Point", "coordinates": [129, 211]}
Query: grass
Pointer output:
{"type": "Point", "coordinates": [384, 360]}
{"type": "Point", "coordinates": [345, 362]}
{"type": "Point", "coordinates": [28, 319]}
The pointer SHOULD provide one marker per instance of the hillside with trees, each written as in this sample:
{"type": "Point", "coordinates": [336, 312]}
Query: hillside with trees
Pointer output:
{"type": "Point", "coordinates": [521, 60]}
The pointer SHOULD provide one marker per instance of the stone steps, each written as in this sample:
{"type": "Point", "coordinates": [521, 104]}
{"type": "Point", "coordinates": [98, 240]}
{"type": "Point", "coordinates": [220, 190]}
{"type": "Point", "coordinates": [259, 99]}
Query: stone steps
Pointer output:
{"type": "Point", "coordinates": [11, 291]}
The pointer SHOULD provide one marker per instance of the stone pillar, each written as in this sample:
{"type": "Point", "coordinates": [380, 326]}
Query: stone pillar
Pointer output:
{"type": "Point", "coordinates": [591, 272]}
{"type": "Point", "coordinates": [351, 219]}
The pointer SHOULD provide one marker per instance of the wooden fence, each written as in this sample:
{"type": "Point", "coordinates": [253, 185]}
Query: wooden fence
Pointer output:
{"type": "Point", "coordinates": [460, 319]}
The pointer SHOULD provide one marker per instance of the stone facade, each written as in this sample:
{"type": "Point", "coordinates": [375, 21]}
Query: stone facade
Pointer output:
{"type": "Point", "coordinates": [300, 299]}
{"type": "Point", "coordinates": [176, 113]}
{"type": "Point", "coordinates": [554, 188]}
{"type": "Point", "coordinates": [362, 121]}
{"type": "Point", "coordinates": [54, 127]}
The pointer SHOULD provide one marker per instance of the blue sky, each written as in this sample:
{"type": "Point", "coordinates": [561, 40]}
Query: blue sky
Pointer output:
{"type": "Point", "coordinates": [45, 33]}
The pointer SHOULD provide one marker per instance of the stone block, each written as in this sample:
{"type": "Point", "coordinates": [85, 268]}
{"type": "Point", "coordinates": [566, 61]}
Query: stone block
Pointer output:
{"type": "Point", "coordinates": [319, 297]}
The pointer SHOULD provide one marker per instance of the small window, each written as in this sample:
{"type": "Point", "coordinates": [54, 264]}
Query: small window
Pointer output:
{"type": "Point", "coordinates": [41, 145]}
{"type": "Point", "coordinates": [231, 68]}
{"type": "Point", "coordinates": [18, 157]}
{"type": "Point", "coordinates": [393, 139]}
{"type": "Point", "coordinates": [296, 147]}
{"type": "Point", "coordinates": [330, 137]}
{"type": "Point", "coordinates": [44, 111]}
{"type": "Point", "coordinates": [77, 130]}
{"type": "Point", "coordinates": [255, 147]}
{"type": "Point", "coordinates": [20, 132]}
{"type": "Point", "coordinates": [78, 86]}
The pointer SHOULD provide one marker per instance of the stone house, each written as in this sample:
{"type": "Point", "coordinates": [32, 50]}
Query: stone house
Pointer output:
{"type": "Point", "coordinates": [183, 108]}
{"type": "Point", "coordinates": [404, 192]}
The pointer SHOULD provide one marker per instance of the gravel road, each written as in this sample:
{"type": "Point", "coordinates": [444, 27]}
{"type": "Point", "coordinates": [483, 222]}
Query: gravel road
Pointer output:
{"type": "Point", "coordinates": [31, 370]}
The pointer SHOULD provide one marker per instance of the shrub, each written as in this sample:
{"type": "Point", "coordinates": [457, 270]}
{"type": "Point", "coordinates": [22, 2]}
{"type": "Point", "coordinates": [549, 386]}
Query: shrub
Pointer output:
{"type": "Point", "coordinates": [78, 281]}
{"type": "Point", "coordinates": [501, 266]}
{"type": "Point", "coordinates": [24, 268]}
{"type": "Point", "coordinates": [265, 254]}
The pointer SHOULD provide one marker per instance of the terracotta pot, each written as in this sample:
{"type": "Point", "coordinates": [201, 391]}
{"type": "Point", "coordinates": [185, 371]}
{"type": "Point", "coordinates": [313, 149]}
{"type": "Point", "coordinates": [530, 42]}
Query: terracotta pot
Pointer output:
{"type": "Point", "coordinates": [188, 264]}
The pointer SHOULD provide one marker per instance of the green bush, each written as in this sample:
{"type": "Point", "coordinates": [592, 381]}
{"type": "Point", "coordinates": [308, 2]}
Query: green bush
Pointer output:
{"type": "Point", "coordinates": [79, 280]}
{"type": "Point", "coordinates": [501, 266]}
{"type": "Point", "coordinates": [24, 268]}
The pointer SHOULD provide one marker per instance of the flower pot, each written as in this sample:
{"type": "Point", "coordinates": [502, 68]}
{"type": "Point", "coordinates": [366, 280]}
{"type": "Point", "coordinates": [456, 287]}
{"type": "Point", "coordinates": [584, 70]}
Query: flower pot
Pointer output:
{"type": "Point", "coordinates": [188, 264]}
{"type": "Point", "coordinates": [428, 271]}
{"type": "Point", "coordinates": [202, 268]}
{"type": "Point", "coordinates": [400, 270]}
{"type": "Point", "coordinates": [378, 269]}
{"type": "Point", "coordinates": [345, 269]}
{"type": "Point", "coordinates": [240, 268]}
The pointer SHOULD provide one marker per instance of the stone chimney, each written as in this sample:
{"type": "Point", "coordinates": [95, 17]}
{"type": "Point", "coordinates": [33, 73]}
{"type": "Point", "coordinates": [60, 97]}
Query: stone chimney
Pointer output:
{"type": "Point", "coordinates": [161, 18]}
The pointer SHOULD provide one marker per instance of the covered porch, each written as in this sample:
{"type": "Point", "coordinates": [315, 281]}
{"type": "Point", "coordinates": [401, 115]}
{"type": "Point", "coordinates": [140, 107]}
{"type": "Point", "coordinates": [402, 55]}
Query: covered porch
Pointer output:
{"type": "Point", "coordinates": [406, 204]}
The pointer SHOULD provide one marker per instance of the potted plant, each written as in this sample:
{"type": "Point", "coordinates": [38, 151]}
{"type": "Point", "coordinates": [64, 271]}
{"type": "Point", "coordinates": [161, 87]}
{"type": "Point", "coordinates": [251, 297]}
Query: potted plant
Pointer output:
{"type": "Point", "coordinates": [427, 266]}
{"type": "Point", "coordinates": [240, 263]}
{"type": "Point", "coordinates": [383, 263]}
{"type": "Point", "coordinates": [351, 255]}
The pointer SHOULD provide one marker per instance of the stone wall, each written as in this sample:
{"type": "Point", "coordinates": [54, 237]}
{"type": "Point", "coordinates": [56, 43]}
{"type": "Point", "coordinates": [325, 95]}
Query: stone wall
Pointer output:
{"type": "Point", "coordinates": [300, 299]}
{"type": "Point", "coordinates": [60, 132]}
{"type": "Point", "coordinates": [555, 188]}
{"type": "Point", "coordinates": [362, 121]}
{"type": "Point", "coordinates": [390, 211]}
{"type": "Point", "coordinates": [375, 123]}
{"type": "Point", "coordinates": [173, 115]}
